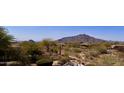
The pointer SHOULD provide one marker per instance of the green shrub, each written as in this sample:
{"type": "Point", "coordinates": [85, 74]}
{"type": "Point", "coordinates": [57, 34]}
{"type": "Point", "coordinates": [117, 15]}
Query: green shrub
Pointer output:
{"type": "Point", "coordinates": [63, 60]}
{"type": "Point", "coordinates": [110, 61]}
{"type": "Point", "coordinates": [100, 47]}
{"type": "Point", "coordinates": [44, 62]}
{"type": "Point", "coordinates": [102, 50]}
{"type": "Point", "coordinates": [121, 55]}
{"type": "Point", "coordinates": [94, 53]}
{"type": "Point", "coordinates": [77, 50]}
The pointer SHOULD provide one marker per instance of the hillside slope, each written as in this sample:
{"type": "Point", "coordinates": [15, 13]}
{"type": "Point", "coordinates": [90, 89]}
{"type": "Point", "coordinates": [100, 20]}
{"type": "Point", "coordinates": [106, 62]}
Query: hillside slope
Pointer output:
{"type": "Point", "coordinates": [82, 38]}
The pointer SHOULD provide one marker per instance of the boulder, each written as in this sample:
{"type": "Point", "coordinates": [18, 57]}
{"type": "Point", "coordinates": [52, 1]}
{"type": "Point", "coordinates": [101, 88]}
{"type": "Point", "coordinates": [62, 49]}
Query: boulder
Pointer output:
{"type": "Point", "coordinates": [56, 63]}
{"type": "Point", "coordinates": [118, 47]}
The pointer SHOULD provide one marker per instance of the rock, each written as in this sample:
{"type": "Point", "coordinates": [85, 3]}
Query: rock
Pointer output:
{"type": "Point", "coordinates": [73, 63]}
{"type": "Point", "coordinates": [11, 63]}
{"type": "Point", "coordinates": [56, 63]}
{"type": "Point", "coordinates": [73, 57]}
{"type": "Point", "coordinates": [82, 55]}
{"type": "Point", "coordinates": [118, 47]}
{"type": "Point", "coordinates": [33, 64]}
{"type": "Point", "coordinates": [70, 64]}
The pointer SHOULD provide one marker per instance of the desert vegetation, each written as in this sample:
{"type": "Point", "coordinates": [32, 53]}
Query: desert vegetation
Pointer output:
{"type": "Point", "coordinates": [87, 51]}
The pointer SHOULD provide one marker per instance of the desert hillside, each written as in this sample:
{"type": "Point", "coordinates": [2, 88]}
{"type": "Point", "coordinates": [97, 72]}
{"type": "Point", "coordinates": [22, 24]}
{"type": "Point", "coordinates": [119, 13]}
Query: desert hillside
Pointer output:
{"type": "Point", "coordinates": [81, 38]}
{"type": "Point", "coordinates": [79, 50]}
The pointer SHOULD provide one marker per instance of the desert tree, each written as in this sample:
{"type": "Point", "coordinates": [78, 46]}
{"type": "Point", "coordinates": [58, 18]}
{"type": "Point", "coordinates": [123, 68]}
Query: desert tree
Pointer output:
{"type": "Point", "coordinates": [5, 42]}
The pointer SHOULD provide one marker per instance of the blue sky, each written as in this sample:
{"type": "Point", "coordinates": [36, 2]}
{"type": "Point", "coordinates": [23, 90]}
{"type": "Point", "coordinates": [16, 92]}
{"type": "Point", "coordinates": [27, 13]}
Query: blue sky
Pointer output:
{"type": "Point", "coordinates": [38, 33]}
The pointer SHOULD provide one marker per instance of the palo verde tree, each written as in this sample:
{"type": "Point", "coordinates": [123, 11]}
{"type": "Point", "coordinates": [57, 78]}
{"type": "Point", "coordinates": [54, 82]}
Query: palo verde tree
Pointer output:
{"type": "Point", "coordinates": [5, 42]}
{"type": "Point", "coordinates": [29, 52]}
{"type": "Point", "coordinates": [48, 46]}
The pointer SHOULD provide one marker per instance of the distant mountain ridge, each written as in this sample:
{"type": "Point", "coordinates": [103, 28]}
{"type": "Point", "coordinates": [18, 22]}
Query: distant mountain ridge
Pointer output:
{"type": "Point", "coordinates": [81, 38]}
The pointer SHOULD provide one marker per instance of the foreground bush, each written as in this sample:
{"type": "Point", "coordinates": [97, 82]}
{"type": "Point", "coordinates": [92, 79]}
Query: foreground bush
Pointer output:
{"type": "Point", "coordinates": [44, 62]}
{"type": "Point", "coordinates": [77, 50]}
{"type": "Point", "coordinates": [63, 60]}
{"type": "Point", "coordinates": [109, 61]}
{"type": "Point", "coordinates": [101, 48]}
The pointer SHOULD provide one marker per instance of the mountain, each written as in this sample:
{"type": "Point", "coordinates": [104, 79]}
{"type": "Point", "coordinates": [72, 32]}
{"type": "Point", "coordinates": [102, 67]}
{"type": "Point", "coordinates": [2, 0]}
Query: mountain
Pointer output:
{"type": "Point", "coordinates": [81, 38]}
